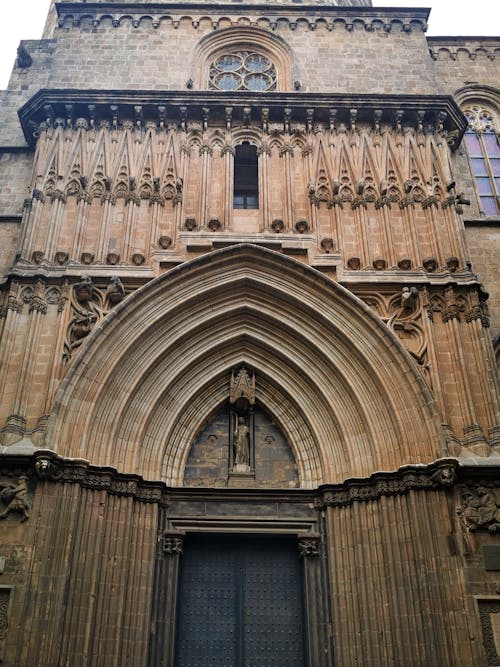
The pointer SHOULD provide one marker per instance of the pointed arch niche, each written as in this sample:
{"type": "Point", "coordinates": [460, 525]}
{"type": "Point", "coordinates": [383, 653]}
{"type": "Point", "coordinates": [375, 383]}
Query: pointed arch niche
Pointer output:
{"type": "Point", "coordinates": [242, 39]}
{"type": "Point", "coordinates": [342, 389]}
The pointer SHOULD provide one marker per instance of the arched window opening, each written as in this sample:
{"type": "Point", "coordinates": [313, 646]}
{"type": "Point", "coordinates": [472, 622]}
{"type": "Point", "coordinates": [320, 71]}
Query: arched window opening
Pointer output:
{"type": "Point", "coordinates": [484, 152]}
{"type": "Point", "coordinates": [242, 70]}
{"type": "Point", "coordinates": [246, 177]}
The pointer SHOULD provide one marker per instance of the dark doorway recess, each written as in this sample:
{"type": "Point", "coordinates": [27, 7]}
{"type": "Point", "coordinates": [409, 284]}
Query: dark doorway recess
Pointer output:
{"type": "Point", "coordinates": [240, 603]}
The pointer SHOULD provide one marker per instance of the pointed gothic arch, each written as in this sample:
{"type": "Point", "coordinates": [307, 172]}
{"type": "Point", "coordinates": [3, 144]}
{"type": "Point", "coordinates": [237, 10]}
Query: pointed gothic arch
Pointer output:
{"type": "Point", "coordinates": [340, 385]}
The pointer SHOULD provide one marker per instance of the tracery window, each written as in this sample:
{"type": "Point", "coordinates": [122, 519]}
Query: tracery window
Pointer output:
{"type": "Point", "coordinates": [242, 70]}
{"type": "Point", "coordinates": [484, 152]}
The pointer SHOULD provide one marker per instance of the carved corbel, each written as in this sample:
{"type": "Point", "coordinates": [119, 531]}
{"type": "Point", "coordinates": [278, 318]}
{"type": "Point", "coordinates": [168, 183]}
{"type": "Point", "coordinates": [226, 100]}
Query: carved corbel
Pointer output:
{"type": "Point", "coordinates": [287, 116]}
{"type": "Point", "coordinates": [265, 119]}
{"type": "Point", "coordinates": [309, 545]}
{"type": "Point", "coordinates": [451, 311]}
{"type": "Point", "coordinates": [38, 302]}
{"type": "Point", "coordinates": [115, 291]}
{"type": "Point", "coordinates": [172, 544]}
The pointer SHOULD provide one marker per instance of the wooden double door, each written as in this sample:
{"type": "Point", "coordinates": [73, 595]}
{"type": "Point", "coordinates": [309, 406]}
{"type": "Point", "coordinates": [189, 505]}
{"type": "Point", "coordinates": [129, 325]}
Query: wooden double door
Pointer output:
{"type": "Point", "coordinates": [240, 603]}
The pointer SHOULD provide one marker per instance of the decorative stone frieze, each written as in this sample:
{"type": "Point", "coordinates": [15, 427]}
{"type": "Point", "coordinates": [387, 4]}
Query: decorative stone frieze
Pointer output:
{"type": "Point", "coordinates": [332, 17]}
{"type": "Point", "coordinates": [441, 474]}
{"type": "Point", "coordinates": [48, 466]}
{"type": "Point", "coordinates": [284, 111]}
{"type": "Point", "coordinates": [442, 48]}
{"type": "Point", "coordinates": [453, 303]}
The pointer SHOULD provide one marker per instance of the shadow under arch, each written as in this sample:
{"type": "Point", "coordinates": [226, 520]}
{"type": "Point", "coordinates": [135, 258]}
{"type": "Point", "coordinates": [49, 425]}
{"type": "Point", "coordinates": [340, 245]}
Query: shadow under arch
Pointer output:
{"type": "Point", "coordinates": [343, 388]}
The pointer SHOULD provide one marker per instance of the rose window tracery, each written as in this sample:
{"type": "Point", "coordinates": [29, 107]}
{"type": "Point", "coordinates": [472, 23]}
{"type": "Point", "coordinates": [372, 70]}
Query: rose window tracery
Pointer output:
{"type": "Point", "coordinates": [242, 70]}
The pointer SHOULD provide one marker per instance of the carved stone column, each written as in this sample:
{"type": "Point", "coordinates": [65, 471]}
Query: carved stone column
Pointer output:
{"type": "Point", "coordinates": [162, 639]}
{"type": "Point", "coordinates": [14, 429]}
{"type": "Point", "coordinates": [316, 595]}
{"type": "Point", "coordinates": [227, 155]}
{"type": "Point", "coordinates": [286, 154]}
{"type": "Point", "coordinates": [206, 169]}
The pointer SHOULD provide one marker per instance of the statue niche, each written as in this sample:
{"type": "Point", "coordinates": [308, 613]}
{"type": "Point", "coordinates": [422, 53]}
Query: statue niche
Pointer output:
{"type": "Point", "coordinates": [241, 445]}
{"type": "Point", "coordinates": [241, 437]}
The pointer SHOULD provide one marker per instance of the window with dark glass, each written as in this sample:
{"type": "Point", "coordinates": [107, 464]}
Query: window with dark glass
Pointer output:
{"type": "Point", "coordinates": [484, 152]}
{"type": "Point", "coordinates": [246, 177]}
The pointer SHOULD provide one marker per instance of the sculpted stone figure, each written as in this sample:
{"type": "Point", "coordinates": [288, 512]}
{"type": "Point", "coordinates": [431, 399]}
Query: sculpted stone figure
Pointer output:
{"type": "Point", "coordinates": [480, 509]}
{"type": "Point", "coordinates": [15, 498]}
{"type": "Point", "coordinates": [409, 297]}
{"type": "Point", "coordinates": [241, 443]}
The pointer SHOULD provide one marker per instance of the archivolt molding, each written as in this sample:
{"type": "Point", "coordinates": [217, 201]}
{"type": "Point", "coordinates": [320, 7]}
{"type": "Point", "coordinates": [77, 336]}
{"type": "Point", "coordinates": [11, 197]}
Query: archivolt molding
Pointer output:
{"type": "Point", "coordinates": [337, 380]}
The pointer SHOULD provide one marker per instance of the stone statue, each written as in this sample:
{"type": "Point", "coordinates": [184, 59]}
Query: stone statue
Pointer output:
{"type": "Point", "coordinates": [241, 442]}
{"type": "Point", "coordinates": [409, 297]}
{"type": "Point", "coordinates": [15, 498]}
{"type": "Point", "coordinates": [115, 290]}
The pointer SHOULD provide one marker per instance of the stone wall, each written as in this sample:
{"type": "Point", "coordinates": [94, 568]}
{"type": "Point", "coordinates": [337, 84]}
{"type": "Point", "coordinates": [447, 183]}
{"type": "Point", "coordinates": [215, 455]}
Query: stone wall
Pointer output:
{"type": "Point", "coordinates": [483, 240]}
{"type": "Point", "coordinates": [464, 61]}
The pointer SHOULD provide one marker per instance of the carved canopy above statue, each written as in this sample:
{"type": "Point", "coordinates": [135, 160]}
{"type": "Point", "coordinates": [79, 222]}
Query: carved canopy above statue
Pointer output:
{"type": "Point", "coordinates": [334, 378]}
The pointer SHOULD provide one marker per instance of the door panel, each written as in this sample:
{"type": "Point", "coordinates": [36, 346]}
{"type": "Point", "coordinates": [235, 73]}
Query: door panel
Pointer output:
{"type": "Point", "coordinates": [240, 603]}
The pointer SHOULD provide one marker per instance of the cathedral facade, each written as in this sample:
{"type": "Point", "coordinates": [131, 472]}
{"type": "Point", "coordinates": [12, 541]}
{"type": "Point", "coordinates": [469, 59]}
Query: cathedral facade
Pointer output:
{"type": "Point", "coordinates": [249, 339]}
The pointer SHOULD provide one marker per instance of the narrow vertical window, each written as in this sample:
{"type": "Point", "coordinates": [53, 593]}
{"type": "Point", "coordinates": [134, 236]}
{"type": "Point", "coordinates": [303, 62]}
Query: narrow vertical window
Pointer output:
{"type": "Point", "coordinates": [484, 153]}
{"type": "Point", "coordinates": [246, 177]}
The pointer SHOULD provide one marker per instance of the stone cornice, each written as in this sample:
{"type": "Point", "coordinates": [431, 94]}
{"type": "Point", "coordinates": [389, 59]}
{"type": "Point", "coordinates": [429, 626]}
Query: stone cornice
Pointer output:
{"type": "Point", "coordinates": [138, 13]}
{"type": "Point", "coordinates": [451, 48]}
{"type": "Point", "coordinates": [458, 40]}
{"type": "Point", "coordinates": [431, 113]}
{"type": "Point", "coordinates": [45, 465]}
